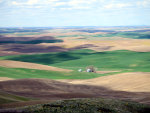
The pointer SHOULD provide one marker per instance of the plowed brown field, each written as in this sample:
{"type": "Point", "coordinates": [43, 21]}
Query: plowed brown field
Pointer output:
{"type": "Point", "coordinates": [55, 90]}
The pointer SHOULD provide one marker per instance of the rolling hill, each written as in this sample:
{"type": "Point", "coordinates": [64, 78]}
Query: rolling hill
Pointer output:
{"type": "Point", "coordinates": [17, 64]}
{"type": "Point", "coordinates": [108, 60]}
{"type": "Point", "coordinates": [55, 90]}
{"type": "Point", "coordinates": [130, 82]}
{"type": "Point", "coordinates": [6, 98]}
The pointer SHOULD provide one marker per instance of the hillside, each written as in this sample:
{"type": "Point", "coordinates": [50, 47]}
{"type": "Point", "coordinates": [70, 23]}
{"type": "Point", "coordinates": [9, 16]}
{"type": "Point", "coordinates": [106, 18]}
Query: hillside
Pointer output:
{"type": "Point", "coordinates": [18, 64]}
{"type": "Point", "coordinates": [11, 98]}
{"type": "Point", "coordinates": [131, 81]}
{"type": "Point", "coordinates": [108, 60]}
{"type": "Point", "coordinates": [20, 73]}
{"type": "Point", "coordinates": [55, 90]}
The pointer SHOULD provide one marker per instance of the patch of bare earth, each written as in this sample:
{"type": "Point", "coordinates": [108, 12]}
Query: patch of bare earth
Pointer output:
{"type": "Point", "coordinates": [19, 64]}
{"type": "Point", "coordinates": [5, 79]}
{"type": "Point", "coordinates": [55, 90]}
{"type": "Point", "coordinates": [103, 72]}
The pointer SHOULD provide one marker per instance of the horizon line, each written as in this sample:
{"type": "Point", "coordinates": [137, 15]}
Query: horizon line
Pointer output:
{"type": "Point", "coordinates": [73, 26]}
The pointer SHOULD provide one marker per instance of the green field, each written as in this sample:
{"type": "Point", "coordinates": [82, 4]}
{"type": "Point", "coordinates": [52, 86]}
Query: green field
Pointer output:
{"type": "Point", "coordinates": [8, 98]}
{"type": "Point", "coordinates": [31, 42]}
{"type": "Point", "coordinates": [20, 73]}
{"type": "Point", "coordinates": [110, 60]}
{"type": "Point", "coordinates": [133, 35]}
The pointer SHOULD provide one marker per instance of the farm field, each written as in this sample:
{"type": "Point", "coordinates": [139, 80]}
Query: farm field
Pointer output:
{"type": "Point", "coordinates": [8, 98]}
{"type": "Point", "coordinates": [40, 66]}
{"type": "Point", "coordinates": [34, 73]}
{"type": "Point", "coordinates": [107, 60]}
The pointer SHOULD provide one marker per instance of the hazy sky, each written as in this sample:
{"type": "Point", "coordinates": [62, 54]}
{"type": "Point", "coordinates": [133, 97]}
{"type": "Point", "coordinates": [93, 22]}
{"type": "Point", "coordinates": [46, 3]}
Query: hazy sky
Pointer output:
{"type": "Point", "coordinates": [32, 13]}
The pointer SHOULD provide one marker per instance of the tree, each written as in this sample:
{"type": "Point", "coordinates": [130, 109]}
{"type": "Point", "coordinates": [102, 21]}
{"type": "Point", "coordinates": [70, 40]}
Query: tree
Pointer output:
{"type": "Point", "coordinates": [91, 68]}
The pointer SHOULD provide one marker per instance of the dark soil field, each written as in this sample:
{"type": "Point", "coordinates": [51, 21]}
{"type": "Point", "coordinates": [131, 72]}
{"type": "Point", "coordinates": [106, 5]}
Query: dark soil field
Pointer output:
{"type": "Point", "coordinates": [54, 90]}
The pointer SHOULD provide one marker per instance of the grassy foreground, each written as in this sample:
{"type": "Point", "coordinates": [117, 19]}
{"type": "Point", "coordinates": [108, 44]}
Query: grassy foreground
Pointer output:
{"type": "Point", "coordinates": [108, 60]}
{"type": "Point", "coordinates": [97, 105]}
